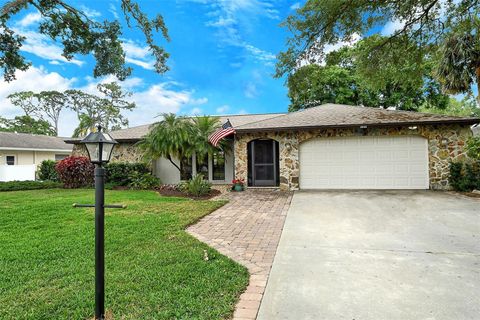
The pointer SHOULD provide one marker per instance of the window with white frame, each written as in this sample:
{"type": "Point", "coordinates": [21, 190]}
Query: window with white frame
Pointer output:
{"type": "Point", "coordinates": [218, 165]}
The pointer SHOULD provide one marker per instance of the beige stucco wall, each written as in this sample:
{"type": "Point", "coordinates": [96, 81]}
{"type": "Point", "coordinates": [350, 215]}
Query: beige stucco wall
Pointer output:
{"type": "Point", "coordinates": [169, 174]}
{"type": "Point", "coordinates": [29, 157]}
{"type": "Point", "coordinates": [162, 168]}
{"type": "Point", "coordinates": [445, 143]}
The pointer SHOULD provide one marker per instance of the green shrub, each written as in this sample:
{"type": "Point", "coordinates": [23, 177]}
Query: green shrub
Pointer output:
{"type": "Point", "coordinates": [473, 148]}
{"type": "Point", "coordinates": [456, 177]}
{"type": "Point", "coordinates": [464, 177]}
{"type": "Point", "coordinates": [141, 181]}
{"type": "Point", "coordinates": [196, 186]}
{"type": "Point", "coordinates": [118, 173]}
{"type": "Point", "coordinates": [28, 185]}
{"type": "Point", "coordinates": [47, 172]}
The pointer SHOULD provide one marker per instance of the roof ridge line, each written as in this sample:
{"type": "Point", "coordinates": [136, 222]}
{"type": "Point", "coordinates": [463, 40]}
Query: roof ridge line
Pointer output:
{"type": "Point", "coordinates": [281, 115]}
{"type": "Point", "coordinates": [285, 114]}
{"type": "Point", "coordinates": [33, 134]}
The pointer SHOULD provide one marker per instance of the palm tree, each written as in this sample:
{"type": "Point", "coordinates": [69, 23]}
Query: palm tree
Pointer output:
{"type": "Point", "coordinates": [202, 128]}
{"type": "Point", "coordinates": [85, 126]}
{"type": "Point", "coordinates": [169, 138]}
{"type": "Point", "coordinates": [459, 64]}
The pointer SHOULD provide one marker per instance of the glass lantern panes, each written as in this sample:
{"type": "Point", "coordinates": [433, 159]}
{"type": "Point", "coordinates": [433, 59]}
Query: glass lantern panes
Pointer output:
{"type": "Point", "coordinates": [99, 142]}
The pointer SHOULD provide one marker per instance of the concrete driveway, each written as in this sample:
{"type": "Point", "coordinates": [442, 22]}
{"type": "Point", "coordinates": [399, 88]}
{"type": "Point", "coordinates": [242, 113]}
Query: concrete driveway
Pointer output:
{"type": "Point", "coordinates": [376, 255]}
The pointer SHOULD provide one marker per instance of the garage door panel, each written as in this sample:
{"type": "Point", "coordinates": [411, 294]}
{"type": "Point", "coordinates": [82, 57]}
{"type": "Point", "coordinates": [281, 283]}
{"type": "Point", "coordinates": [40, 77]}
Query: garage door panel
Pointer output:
{"type": "Point", "coordinates": [364, 163]}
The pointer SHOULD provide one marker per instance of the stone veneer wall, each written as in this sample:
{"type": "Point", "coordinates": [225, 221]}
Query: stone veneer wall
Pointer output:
{"type": "Point", "coordinates": [122, 152]}
{"type": "Point", "coordinates": [445, 143]}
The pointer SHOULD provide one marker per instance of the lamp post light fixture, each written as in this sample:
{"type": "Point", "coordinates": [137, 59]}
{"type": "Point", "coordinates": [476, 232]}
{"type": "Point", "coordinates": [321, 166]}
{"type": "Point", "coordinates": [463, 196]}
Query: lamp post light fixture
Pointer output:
{"type": "Point", "coordinates": [99, 146]}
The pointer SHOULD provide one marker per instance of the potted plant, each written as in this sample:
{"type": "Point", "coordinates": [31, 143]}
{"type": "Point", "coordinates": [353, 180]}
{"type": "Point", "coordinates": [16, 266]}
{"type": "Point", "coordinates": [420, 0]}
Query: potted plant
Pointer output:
{"type": "Point", "coordinates": [238, 185]}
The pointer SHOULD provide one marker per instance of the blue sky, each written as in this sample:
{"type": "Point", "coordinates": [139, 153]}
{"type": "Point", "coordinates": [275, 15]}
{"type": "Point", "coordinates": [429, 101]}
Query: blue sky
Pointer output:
{"type": "Point", "coordinates": [222, 59]}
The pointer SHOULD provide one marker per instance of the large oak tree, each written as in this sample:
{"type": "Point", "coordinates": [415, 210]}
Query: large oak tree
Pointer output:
{"type": "Point", "coordinates": [79, 35]}
{"type": "Point", "coordinates": [426, 29]}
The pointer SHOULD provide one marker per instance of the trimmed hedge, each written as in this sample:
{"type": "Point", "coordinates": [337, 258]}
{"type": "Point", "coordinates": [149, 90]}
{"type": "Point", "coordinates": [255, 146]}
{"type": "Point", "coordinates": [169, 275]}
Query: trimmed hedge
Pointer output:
{"type": "Point", "coordinates": [28, 185]}
{"type": "Point", "coordinates": [121, 173]}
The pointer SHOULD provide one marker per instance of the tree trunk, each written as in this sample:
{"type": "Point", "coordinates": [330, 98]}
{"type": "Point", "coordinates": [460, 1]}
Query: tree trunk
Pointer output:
{"type": "Point", "coordinates": [171, 161]}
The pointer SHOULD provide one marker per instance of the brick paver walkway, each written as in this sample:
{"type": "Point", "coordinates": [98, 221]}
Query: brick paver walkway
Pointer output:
{"type": "Point", "coordinates": [248, 230]}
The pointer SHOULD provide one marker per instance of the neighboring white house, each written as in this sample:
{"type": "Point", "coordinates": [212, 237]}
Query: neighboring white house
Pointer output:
{"type": "Point", "coordinates": [21, 153]}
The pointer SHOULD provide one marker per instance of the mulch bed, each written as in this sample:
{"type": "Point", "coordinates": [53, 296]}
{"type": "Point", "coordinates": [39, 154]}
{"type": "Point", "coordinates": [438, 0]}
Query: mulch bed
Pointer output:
{"type": "Point", "coordinates": [168, 192]}
{"type": "Point", "coordinates": [176, 193]}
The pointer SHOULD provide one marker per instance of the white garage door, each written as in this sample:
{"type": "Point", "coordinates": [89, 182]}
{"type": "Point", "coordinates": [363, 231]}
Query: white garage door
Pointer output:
{"type": "Point", "coordinates": [364, 163]}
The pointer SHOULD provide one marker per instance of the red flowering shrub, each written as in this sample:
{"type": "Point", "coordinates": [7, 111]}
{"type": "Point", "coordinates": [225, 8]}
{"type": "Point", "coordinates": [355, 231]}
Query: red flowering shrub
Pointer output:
{"type": "Point", "coordinates": [75, 172]}
{"type": "Point", "coordinates": [238, 182]}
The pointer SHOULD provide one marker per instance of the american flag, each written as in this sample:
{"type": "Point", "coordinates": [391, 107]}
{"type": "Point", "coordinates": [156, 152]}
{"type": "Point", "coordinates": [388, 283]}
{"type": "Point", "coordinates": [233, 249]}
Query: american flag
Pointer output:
{"type": "Point", "coordinates": [226, 130]}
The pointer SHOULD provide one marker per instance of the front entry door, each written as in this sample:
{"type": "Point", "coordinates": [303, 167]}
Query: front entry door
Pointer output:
{"type": "Point", "coordinates": [263, 165]}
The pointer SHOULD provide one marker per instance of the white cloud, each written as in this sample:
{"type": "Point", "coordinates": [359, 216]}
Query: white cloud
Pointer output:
{"type": "Point", "coordinates": [229, 17]}
{"type": "Point", "coordinates": [138, 55]}
{"type": "Point", "coordinates": [29, 19]}
{"type": "Point", "coordinates": [259, 54]}
{"type": "Point", "coordinates": [196, 111]}
{"type": "Point", "coordinates": [333, 47]}
{"type": "Point", "coordinates": [223, 109]}
{"type": "Point", "coordinates": [295, 6]}
{"type": "Point", "coordinates": [113, 11]}
{"type": "Point", "coordinates": [34, 79]}
{"type": "Point", "coordinates": [319, 59]}
{"type": "Point", "coordinates": [158, 99]}
{"type": "Point", "coordinates": [41, 46]}
{"type": "Point", "coordinates": [89, 12]}
{"type": "Point", "coordinates": [258, 7]}
{"type": "Point", "coordinates": [441, 8]}
{"type": "Point", "coordinates": [391, 27]}
{"type": "Point", "coordinates": [199, 101]}
{"type": "Point", "coordinates": [140, 63]}
{"type": "Point", "coordinates": [250, 90]}
{"type": "Point", "coordinates": [151, 100]}
{"type": "Point", "coordinates": [221, 22]}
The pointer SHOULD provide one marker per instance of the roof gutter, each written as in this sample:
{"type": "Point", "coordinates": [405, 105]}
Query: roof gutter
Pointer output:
{"type": "Point", "coordinates": [131, 140]}
{"type": "Point", "coordinates": [471, 121]}
{"type": "Point", "coordinates": [36, 149]}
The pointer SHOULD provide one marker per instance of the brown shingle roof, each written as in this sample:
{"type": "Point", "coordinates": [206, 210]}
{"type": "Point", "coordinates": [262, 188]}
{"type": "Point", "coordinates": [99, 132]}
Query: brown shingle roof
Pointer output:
{"type": "Point", "coordinates": [32, 142]}
{"type": "Point", "coordinates": [136, 133]}
{"type": "Point", "coordinates": [336, 115]}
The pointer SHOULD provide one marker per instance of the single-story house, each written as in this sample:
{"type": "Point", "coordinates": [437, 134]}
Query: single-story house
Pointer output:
{"type": "Point", "coordinates": [326, 147]}
{"type": "Point", "coordinates": [21, 153]}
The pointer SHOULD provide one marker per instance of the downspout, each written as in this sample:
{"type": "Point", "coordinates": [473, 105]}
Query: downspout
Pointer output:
{"type": "Point", "coordinates": [233, 152]}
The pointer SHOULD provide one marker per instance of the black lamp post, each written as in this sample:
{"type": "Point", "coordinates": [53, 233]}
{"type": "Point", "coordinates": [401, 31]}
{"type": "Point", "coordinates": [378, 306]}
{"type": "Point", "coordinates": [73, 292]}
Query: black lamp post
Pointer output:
{"type": "Point", "coordinates": [99, 147]}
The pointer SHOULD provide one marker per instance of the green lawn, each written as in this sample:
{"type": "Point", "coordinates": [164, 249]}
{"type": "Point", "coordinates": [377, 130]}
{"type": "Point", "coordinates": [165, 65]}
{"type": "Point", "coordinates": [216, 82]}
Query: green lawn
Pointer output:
{"type": "Point", "coordinates": [154, 269]}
